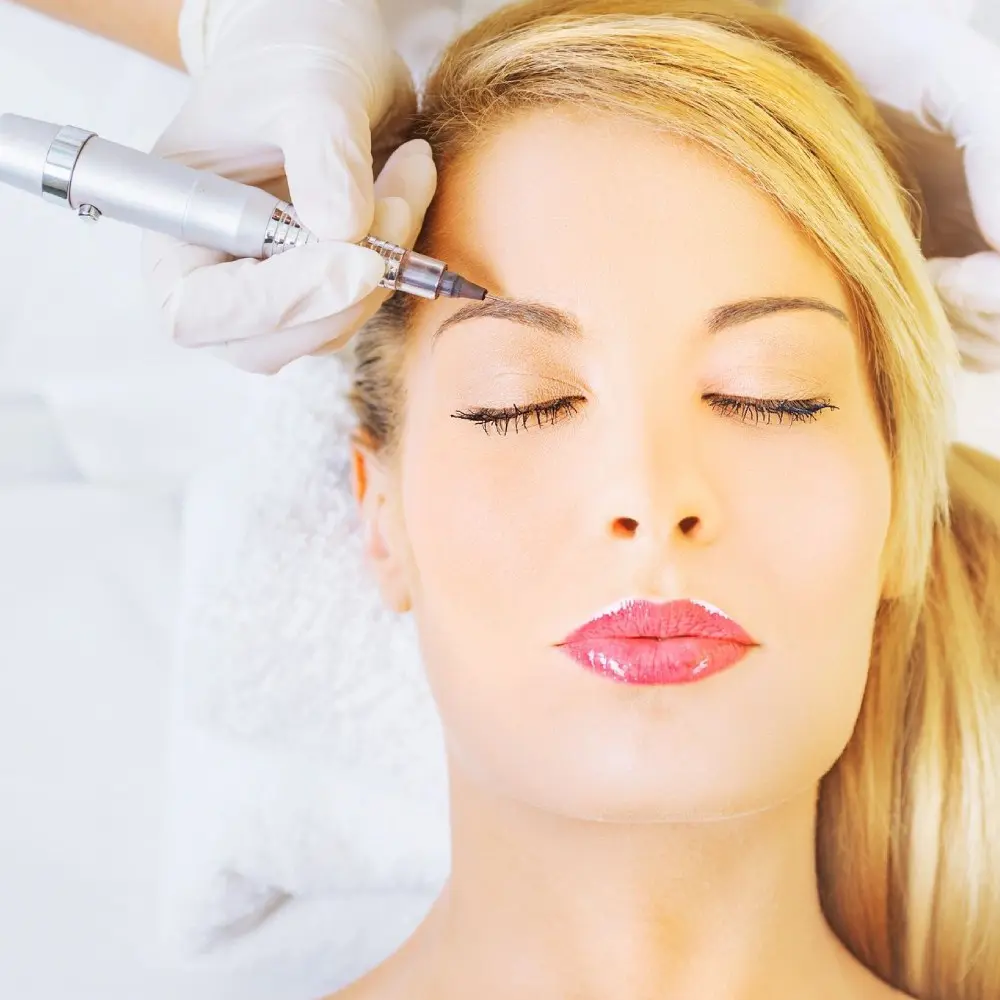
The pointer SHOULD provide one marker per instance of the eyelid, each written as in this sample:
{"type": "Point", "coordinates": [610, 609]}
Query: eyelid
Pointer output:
{"type": "Point", "coordinates": [526, 388]}
{"type": "Point", "coordinates": [745, 380]}
{"type": "Point", "coordinates": [574, 386]}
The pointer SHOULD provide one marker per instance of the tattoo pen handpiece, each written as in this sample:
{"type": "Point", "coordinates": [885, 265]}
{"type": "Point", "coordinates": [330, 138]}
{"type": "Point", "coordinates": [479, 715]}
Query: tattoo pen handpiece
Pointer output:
{"type": "Point", "coordinates": [79, 170]}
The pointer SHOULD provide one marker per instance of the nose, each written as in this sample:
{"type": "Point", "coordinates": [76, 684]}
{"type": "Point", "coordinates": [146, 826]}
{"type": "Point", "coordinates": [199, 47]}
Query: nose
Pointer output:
{"type": "Point", "coordinates": [627, 527]}
{"type": "Point", "coordinates": [661, 487]}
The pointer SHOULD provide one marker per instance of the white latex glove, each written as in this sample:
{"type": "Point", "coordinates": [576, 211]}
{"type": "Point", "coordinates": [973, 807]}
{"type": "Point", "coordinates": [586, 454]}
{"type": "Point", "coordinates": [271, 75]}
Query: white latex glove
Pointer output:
{"type": "Point", "coordinates": [473, 11]}
{"type": "Point", "coordinates": [922, 60]}
{"type": "Point", "coordinates": [292, 87]}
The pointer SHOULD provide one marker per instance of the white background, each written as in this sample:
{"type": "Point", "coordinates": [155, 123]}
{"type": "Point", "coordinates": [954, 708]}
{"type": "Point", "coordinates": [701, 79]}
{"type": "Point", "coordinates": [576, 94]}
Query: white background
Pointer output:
{"type": "Point", "coordinates": [99, 424]}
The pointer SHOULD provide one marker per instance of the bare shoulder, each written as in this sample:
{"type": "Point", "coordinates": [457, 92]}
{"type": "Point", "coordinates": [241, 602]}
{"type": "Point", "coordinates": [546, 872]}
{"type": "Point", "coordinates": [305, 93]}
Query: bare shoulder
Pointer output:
{"type": "Point", "coordinates": [379, 984]}
{"type": "Point", "coordinates": [363, 989]}
{"type": "Point", "coordinates": [356, 991]}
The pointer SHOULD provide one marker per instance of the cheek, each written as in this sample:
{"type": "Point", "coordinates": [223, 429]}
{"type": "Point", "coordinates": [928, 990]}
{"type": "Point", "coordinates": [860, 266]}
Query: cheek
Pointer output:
{"type": "Point", "coordinates": [816, 513]}
{"type": "Point", "coordinates": [812, 517]}
{"type": "Point", "coordinates": [480, 514]}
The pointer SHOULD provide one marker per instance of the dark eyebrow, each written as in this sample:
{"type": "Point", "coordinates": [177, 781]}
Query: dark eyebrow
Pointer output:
{"type": "Point", "coordinates": [736, 313]}
{"type": "Point", "coordinates": [536, 314]}
{"type": "Point", "coordinates": [556, 321]}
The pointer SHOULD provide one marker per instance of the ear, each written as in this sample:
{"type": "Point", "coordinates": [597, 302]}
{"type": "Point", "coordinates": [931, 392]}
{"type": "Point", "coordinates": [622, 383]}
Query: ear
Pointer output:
{"type": "Point", "coordinates": [384, 538]}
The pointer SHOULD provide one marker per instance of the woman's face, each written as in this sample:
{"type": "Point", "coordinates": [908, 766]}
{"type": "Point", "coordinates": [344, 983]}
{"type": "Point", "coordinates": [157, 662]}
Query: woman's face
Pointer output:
{"type": "Point", "coordinates": [505, 538]}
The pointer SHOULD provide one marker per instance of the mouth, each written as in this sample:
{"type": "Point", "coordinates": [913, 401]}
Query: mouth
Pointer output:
{"type": "Point", "coordinates": [642, 642]}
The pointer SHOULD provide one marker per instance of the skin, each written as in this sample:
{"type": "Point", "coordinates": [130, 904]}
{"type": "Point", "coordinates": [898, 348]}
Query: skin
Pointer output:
{"type": "Point", "coordinates": [616, 841]}
{"type": "Point", "coordinates": [148, 26]}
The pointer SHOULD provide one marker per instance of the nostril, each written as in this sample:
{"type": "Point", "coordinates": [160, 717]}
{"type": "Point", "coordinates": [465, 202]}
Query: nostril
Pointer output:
{"type": "Point", "coordinates": [625, 527]}
{"type": "Point", "coordinates": [688, 524]}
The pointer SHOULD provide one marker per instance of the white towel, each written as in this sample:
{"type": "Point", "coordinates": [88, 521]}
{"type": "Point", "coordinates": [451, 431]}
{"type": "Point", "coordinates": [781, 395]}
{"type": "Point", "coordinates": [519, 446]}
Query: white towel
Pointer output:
{"type": "Point", "coordinates": [308, 757]}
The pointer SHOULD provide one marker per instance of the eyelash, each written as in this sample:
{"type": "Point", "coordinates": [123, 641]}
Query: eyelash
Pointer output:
{"type": "Point", "coordinates": [502, 419]}
{"type": "Point", "coordinates": [746, 407]}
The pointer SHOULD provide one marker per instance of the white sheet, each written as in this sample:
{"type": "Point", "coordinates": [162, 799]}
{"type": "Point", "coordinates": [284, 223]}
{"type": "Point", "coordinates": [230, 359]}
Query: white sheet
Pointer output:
{"type": "Point", "coordinates": [100, 424]}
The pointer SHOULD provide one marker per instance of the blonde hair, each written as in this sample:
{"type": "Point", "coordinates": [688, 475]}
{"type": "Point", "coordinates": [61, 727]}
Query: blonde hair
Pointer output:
{"type": "Point", "coordinates": [909, 873]}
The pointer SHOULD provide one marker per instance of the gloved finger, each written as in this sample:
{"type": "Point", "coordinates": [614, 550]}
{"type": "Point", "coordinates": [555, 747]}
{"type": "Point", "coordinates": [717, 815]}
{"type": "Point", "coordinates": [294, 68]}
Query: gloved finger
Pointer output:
{"type": "Point", "coordinates": [399, 216]}
{"type": "Point", "coordinates": [969, 288]}
{"type": "Point", "coordinates": [328, 162]}
{"type": "Point", "coordinates": [982, 168]}
{"type": "Point", "coordinates": [473, 11]}
{"type": "Point", "coordinates": [405, 188]}
{"type": "Point", "coordinates": [409, 174]}
{"type": "Point", "coordinates": [239, 299]}
{"type": "Point", "coordinates": [394, 221]}
{"type": "Point", "coordinates": [270, 353]}
{"type": "Point", "coordinates": [166, 262]}
{"type": "Point", "coordinates": [961, 86]}
{"type": "Point", "coordinates": [972, 282]}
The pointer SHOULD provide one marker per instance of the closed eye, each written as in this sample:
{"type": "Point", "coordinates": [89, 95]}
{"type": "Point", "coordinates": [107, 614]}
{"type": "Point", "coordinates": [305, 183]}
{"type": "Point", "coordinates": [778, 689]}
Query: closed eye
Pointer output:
{"type": "Point", "coordinates": [502, 419]}
{"type": "Point", "coordinates": [755, 410]}
{"type": "Point", "coordinates": [745, 408]}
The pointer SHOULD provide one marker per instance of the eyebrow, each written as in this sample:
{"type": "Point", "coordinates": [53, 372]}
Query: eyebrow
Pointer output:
{"type": "Point", "coordinates": [737, 313]}
{"type": "Point", "coordinates": [534, 314]}
{"type": "Point", "coordinates": [556, 321]}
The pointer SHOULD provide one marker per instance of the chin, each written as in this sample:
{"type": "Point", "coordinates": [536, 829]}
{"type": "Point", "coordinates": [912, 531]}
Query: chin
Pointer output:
{"type": "Point", "coordinates": [613, 789]}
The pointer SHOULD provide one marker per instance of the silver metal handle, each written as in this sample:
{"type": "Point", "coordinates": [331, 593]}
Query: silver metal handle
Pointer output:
{"type": "Point", "coordinates": [57, 174]}
{"type": "Point", "coordinates": [284, 231]}
{"type": "Point", "coordinates": [405, 270]}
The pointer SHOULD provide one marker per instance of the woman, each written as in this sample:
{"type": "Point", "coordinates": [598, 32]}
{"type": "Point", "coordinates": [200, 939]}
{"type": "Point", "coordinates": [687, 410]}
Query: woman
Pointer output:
{"type": "Point", "coordinates": [710, 396]}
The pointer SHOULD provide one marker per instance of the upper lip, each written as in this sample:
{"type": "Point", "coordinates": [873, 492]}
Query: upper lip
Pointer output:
{"type": "Point", "coordinates": [642, 619]}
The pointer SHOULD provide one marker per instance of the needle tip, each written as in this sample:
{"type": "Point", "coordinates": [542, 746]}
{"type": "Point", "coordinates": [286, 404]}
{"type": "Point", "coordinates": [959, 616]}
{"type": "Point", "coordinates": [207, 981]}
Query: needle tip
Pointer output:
{"type": "Point", "coordinates": [456, 287]}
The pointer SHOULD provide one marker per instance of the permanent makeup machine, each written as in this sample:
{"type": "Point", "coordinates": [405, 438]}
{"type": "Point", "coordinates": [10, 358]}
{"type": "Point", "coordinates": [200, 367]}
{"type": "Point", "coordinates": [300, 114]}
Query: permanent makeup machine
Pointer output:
{"type": "Point", "coordinates": [77, 169]}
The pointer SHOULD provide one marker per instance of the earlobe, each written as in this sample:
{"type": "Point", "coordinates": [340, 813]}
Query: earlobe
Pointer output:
{"type": "Point", "coordinates": [383, 541]}
{"type": "Point", "coordinates": [359, 474]}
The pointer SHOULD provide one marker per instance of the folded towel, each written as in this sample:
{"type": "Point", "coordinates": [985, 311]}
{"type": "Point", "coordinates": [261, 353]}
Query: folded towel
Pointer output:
{"type": "Point", "coordinates": [308, 757]}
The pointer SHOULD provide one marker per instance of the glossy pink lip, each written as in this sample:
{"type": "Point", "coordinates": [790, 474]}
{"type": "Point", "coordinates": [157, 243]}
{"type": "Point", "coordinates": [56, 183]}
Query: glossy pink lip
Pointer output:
{"type": "Point", "coordinates": [641, 642]}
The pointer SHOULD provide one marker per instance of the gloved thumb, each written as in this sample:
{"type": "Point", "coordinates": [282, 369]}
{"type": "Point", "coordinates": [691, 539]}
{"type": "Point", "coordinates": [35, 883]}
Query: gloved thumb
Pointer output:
{"type": "Point", "coordinates": [328, 163]}
{"type": "Point", "coordinates": [982, 169]}
{"type": "Point", "coordinates": [969, 288]}
{"type": "Point", "coordinates": [206, 298]}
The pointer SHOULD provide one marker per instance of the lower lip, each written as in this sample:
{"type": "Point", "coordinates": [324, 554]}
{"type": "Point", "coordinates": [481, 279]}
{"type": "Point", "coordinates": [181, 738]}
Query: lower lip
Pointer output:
{"type": "Point", "coordinates": [679, 660]}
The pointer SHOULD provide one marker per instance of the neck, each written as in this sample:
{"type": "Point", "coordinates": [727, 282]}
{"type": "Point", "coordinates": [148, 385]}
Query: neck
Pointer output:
{"type": "Point", "coordinates": [543, 906]}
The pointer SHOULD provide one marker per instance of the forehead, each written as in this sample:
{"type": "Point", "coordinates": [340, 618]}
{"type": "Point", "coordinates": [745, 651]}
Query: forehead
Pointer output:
{"type": "Point", "coordinates": [593, 212]}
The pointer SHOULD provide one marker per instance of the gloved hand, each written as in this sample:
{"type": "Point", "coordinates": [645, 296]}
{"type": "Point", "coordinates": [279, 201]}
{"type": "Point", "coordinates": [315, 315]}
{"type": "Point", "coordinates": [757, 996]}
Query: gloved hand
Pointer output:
{"type": "Point", "coordinates": [292, 87]}
{"type": "Point", "coordinates": [940, 81]}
